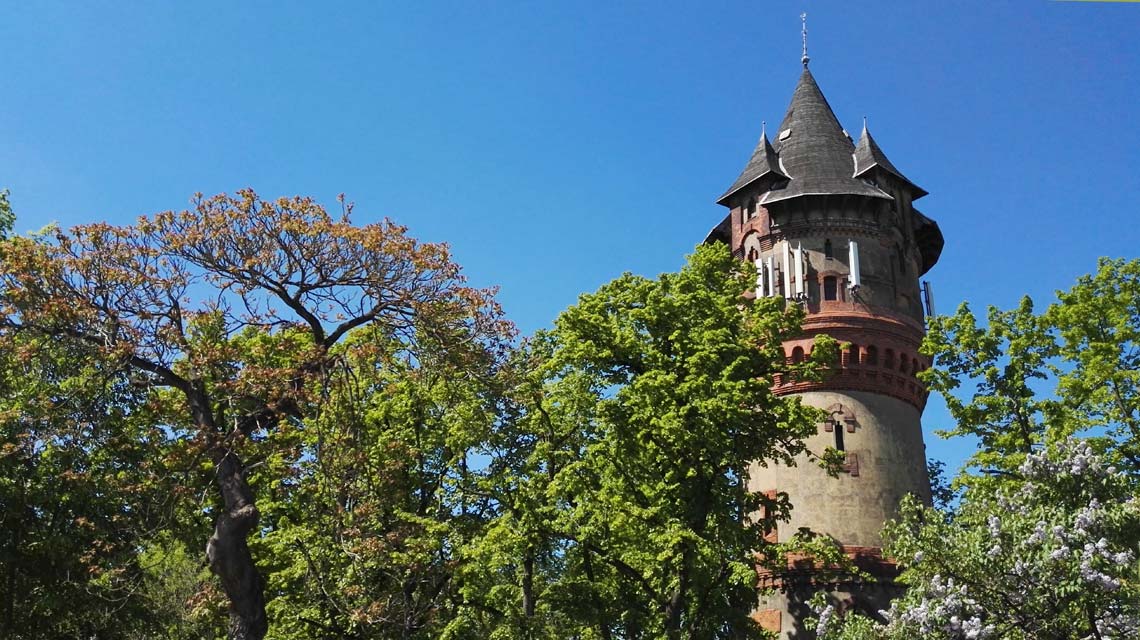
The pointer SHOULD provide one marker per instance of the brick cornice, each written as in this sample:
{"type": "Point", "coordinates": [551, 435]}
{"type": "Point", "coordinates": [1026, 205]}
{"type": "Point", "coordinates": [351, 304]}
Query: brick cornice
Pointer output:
{"type": "Point", "coordinates": [874, 334]}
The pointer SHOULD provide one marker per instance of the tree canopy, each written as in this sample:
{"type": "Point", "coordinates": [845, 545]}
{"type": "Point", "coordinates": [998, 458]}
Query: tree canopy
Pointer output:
{"type": "Point", "coordinates": [256, 419]}
{"type": "Point", "coordinates": [622, 474]}
{"type": "Point", "coordinates": [234, 308]}
{"type": "Point", "coordinates": [361, 448]}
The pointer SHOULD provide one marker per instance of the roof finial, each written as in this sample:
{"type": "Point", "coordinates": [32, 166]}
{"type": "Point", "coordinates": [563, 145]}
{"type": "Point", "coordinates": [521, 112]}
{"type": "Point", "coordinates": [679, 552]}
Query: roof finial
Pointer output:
{"type": "Point", "coordinates": [803, 19]}
{"type": "Point", "coordinates": [763, 128]}
{"type": "Point", "coordinates": [864, 123]}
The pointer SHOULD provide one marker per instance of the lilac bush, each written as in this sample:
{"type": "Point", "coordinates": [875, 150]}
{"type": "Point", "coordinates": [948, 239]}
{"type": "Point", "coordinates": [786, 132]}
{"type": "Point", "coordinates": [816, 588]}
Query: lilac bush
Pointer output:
{"type": "Point", "coordinates": [1048, 553]}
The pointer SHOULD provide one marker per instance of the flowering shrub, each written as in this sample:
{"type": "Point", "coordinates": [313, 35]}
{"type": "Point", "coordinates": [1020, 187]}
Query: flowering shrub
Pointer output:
{"type": "Point", "coordinates": [1050, 553]}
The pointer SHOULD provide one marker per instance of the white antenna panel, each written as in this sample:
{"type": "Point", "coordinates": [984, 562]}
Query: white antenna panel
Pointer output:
{"type": "Point", "coordinates": [854, 278]}
{"type": "Point", "coordinates": [928, 294]}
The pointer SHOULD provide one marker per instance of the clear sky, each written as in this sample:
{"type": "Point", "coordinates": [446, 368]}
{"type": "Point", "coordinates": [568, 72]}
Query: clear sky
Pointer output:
{"type": "Point", "coordinates": [556, 145]}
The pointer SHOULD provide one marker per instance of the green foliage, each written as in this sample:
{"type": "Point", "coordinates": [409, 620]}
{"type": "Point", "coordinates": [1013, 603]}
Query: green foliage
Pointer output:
{"type": "Point", "coordinates": [7, 217]}
{"type": "Point", "coordinates": [369, 507]}
{"type": "Point", "coordinates": [1098, 327]}
{"type": "Point", "coordinates": [234, 310]}
{"type": "Point", "coordinates": [1086, 345]}
{"type": "Point", "coordinates": [179, 592]}
{"type": "Point", "coordinates": [382, 465]}
{"type": "Point", "coordinates": [1006, 359]}
{"type": "Point", "coordinates": [81, 484]}
{"type": "Point", "coordinates": [622, 479]}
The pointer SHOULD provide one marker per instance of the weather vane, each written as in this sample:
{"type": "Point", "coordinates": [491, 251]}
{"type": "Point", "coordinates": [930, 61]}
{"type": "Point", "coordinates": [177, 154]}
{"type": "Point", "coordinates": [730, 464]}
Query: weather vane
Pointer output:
{"type": "Point", "coordinates": [803, 19]}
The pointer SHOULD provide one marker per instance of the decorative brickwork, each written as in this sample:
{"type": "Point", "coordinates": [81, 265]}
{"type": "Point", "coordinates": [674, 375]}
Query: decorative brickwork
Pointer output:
{"type": "Point", "coordinates": [863, 366]}
{"type": "Point", "coordinates": [804, 571]}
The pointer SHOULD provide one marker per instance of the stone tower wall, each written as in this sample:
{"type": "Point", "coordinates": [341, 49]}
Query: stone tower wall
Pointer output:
{"type": "Point", "coordinates": [886, 460]}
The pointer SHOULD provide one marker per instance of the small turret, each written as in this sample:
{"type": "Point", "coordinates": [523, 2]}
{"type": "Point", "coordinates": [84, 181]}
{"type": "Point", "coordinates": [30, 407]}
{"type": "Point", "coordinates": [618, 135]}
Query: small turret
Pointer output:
{"type": "Point", "coordinates": [870, 160]}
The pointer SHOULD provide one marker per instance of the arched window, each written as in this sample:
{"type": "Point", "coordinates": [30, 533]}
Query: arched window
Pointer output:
{"type": "Point", "coordinates": [827, 252]}
{"type": "Point", "coordinates": [753, 254]}
{"type": "Point", "coordinates": [872, 355]}
{"type": "Point", "coordinates": [889, 359]}
{"type": "Point", "coordinates": [830, 288]}
{"type": "Point", "coordinates": [902, 363]}
{"type": "Point", "coordinates": [914, 365]}
{"type": "Point", "coordinates": [798, 355]}
{"type": "Point", "coordinates": [852, 355]}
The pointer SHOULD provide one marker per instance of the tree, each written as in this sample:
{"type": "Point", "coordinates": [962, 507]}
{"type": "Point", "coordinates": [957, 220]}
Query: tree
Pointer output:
{"type": "Point", "coordinates": [622, 475]}
{"type": "Point", "coordinates": [166, 298]}
{"type": "Point", "coordinates": [7, 217]}
{"type": "Point", "coordinates": [1086, 344]}
{"type": "Point", "coordinates": [372, 507]}
{"type": "Point", "coordinates": [82, 487]}
{"type": "Point", "coordinates": [1044, 542]}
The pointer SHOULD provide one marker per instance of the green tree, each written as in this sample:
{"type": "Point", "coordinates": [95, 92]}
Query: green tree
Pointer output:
{"type": "Point", "coordinates": [622, 476]}
{"type": "Point", "coordinates": [167, 300]}
{"type": "Point", "coordinates": [370, 510]}
{"type": "Point", "coordinates": [82, 487]}
{"type": "Point", "coordinates": [1085, 346]}
{"type": "Point", "coordinates": [7, 216]}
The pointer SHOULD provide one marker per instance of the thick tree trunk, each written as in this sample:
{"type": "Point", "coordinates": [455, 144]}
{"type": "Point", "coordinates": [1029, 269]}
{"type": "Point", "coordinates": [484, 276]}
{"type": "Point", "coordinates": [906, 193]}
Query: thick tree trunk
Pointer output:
{"type": "Point", "coordinates": [528, 585]}
{"type": "Point", "coordinates": [229, 554]}
{"type": "Point", "coordinates": [676, 604]}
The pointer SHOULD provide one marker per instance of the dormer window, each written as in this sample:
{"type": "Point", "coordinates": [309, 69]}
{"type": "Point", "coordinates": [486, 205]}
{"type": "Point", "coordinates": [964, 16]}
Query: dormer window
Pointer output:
{"type": "Point", "coordinates": [827, 252]}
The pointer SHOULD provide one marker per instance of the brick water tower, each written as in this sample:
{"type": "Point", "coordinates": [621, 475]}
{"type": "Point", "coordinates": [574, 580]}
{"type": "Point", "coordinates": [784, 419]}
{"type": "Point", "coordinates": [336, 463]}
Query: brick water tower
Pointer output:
{"type": "Point", "coordinates": [830, 224]}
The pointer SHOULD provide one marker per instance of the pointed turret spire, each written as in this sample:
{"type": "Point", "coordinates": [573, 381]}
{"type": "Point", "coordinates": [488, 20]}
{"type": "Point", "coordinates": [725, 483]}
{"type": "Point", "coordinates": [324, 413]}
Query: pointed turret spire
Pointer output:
{"type": "Point", "coordinates": [868, 156]}
{"type": "Point", "coordinates": [765, 161]}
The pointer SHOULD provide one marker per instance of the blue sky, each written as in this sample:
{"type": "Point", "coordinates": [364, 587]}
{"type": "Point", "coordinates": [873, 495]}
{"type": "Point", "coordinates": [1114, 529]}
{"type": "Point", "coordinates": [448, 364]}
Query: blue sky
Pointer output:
{"type": "Point", "coordinates": [556, 145]}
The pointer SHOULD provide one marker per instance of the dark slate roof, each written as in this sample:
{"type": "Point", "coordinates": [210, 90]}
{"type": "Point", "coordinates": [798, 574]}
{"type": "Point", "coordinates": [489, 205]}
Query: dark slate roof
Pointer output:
{"type": "Point", "coordinates": [929, 239]}
{"type": "Point", "coordinates": [764, 162]}
{"type": "Point", "coordinates": [721, 232]}
{"type": "Point", "coordinates": [868, 155]}
{"type": "Point", "coordinates": [814, 150]}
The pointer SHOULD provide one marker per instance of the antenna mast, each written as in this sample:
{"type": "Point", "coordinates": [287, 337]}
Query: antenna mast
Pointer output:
{"type": "Point", "coordinates": [803, 19]}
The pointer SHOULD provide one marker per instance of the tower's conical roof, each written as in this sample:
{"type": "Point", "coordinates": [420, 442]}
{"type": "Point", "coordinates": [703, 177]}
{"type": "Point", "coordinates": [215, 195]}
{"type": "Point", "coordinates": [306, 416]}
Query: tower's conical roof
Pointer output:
{"type": "Point", "coordinates": [811, 150]}
{"type": "Point", "coordinates": [868, 155]}
{"type": "Point", "coordinates": [814, 149]}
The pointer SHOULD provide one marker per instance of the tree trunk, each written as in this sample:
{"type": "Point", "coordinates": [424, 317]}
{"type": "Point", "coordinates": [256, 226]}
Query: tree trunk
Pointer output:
{"type": "Point", "coordinates": [229, 555]}
{"type": "Point", "coordinates": [599, 607]}
{"type": "Point", "coordinates": [676, 604]}
{"type": "Point", "coordinates": [528, 585]}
